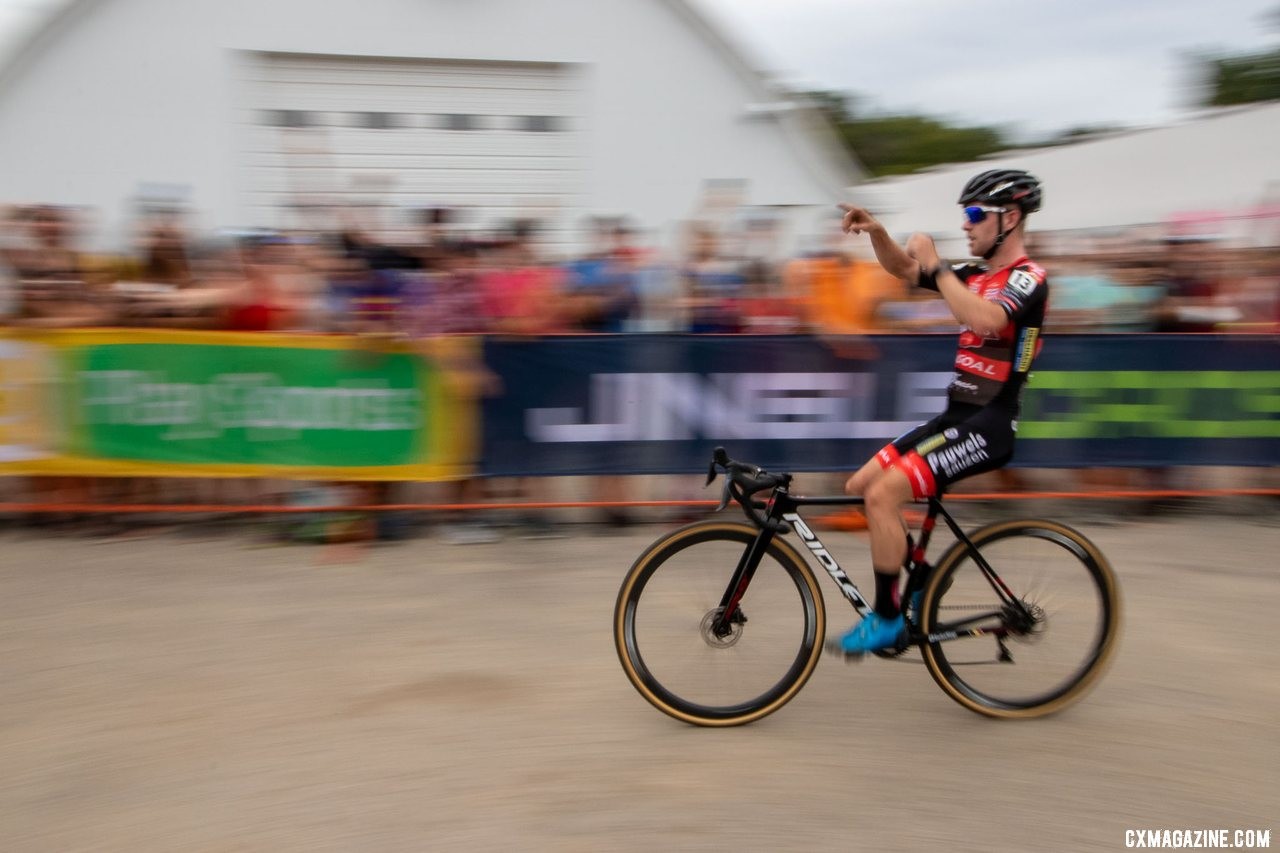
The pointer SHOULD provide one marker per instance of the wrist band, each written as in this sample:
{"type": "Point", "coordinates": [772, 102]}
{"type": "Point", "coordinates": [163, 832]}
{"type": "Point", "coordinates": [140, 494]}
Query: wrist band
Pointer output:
{"type": "Point", "coordinates": [939, 267]}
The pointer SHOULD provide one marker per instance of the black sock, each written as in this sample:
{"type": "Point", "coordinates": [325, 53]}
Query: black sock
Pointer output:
{"type": "Point", "coordinates": [888, 603]}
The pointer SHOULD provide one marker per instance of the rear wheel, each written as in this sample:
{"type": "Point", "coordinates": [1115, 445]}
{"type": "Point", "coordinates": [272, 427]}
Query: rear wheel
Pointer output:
{"type": "Point", "coordinates": [1034, 638]}
{"type": "Point", "coordinates": [665, 618]}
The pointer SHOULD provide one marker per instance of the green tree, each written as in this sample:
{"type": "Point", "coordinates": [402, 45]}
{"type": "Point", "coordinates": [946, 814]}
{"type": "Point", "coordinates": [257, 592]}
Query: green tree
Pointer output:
{"type": "Point", "coordinates": [1243, 79]}
{"type": "Point", "coordinates": [899, 144]}
{"type": "Point", "coordinates": [896, 144]}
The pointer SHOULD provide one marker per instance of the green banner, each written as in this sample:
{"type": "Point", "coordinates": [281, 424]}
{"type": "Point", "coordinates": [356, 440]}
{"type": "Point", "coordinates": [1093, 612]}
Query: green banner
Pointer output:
{"type": "Point", "coordinates": [250, 405]}
{"type": "Point", "coordinates": [1153, 404]}
{"type": "Point", "coordinates": [174, 403]}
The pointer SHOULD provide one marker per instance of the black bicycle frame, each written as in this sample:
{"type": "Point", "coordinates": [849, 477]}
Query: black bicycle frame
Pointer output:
{"type": "Point", "coordinates": [783, 507]}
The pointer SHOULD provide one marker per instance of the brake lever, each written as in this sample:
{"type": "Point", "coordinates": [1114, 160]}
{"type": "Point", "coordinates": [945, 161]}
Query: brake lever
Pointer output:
{"type": "Point", "coordinates": [725, 493]}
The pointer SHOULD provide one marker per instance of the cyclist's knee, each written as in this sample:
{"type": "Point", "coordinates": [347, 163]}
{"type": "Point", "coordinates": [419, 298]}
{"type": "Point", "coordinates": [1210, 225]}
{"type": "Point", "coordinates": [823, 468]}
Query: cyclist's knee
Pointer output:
{"type": "Point", "coordinates": [861, 479]}
{"type": "Point", "coordinates": [888, 493]}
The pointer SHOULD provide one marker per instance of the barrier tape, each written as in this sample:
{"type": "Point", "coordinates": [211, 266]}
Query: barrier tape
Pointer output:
{"type": "Point", "coordinates": [269, 509]}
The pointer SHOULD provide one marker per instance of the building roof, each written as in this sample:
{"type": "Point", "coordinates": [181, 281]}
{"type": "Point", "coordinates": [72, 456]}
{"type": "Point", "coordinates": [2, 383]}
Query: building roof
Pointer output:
{"type": "Point", "coordinates": [1219, 163]}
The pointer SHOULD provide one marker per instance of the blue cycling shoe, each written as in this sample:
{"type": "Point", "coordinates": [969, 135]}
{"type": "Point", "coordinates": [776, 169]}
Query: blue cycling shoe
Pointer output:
{"type": "Point", "coordinates": [873, 633]}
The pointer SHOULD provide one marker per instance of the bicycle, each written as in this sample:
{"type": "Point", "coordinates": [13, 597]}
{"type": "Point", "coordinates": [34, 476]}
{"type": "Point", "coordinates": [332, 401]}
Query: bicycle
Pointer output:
{"type": "Point", "coordinates": [712, 650]}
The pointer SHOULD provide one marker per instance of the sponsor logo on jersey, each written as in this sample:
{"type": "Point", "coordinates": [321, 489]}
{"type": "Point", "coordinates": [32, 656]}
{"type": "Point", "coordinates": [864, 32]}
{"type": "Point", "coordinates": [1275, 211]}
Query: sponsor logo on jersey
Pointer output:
{"type": "Point", "coordinates": [951, 433]}
{"type": "Point", "coordinates": [1026, 349]}
{"type": "Point", "coordinates": [958, 458]}
{"type": "Point", "coordinates": [970, 363]}
{"type": "Point", "coordinates": [933, 442]}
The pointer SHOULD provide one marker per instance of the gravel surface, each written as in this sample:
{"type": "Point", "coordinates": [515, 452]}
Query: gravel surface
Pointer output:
{"type": "Point", "coordinates": [224, 693]}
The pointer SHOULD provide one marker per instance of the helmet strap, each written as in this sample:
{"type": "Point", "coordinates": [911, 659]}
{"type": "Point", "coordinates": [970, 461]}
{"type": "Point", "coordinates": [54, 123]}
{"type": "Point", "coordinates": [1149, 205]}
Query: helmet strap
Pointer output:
{"type": "Point", "coordinates": [1000, 235]}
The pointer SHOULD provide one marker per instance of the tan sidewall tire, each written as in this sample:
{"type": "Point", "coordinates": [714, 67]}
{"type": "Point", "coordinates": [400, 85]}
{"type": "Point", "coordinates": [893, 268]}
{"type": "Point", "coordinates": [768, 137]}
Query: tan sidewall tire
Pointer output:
{"type": "Point", "coordinates": [1111, 633]}
{"type": "Point", "coordinates": [783, 551]}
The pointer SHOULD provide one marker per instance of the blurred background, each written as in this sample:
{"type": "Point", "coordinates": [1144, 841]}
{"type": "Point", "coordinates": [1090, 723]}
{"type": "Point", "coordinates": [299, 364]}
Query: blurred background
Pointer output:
{"type": "Point", "coordinates": [398, 176]}
{"type": "Point", "coordinates": [279, 272]}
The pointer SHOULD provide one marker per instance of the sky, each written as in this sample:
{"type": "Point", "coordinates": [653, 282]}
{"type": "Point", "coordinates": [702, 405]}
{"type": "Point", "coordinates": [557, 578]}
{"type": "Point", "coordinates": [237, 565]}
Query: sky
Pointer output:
{"type": "Point", "coordinates": [16, 18]}
{"type": "Point", "coordinates": [1033, 67]}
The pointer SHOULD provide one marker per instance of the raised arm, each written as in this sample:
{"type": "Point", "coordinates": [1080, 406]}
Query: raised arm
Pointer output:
{"type": "Point", "coordinates": [891, 256]}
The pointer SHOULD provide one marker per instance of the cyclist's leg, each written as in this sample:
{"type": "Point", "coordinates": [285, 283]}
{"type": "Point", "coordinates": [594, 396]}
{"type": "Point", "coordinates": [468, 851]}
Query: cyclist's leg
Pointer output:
{"type": "Point", "coordinates": [862, 478]}
{"type": "Point", "coordinates": [885, 498]}
{"type": "Point", "coordinates": [860, 481]}
{"type": "Point", "coordinates": [918, 465]}
{"type": "Point", "coordinates": [888, 490]}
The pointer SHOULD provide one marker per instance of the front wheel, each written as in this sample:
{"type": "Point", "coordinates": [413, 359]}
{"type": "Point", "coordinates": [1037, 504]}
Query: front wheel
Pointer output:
{"type": "Point", "coordinates": [666, 616]}
{"type": "Point", "coordinates": [1028, 637]}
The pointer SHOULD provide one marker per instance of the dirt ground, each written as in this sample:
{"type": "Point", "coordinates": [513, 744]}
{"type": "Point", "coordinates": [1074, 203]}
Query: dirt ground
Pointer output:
{"type": "Point", "coordinates": [223, 693]}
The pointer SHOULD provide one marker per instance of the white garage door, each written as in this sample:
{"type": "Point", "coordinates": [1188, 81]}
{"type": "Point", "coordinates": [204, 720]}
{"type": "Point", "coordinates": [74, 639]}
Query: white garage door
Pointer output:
{"type": "Point", "coordinates": [386, 138]}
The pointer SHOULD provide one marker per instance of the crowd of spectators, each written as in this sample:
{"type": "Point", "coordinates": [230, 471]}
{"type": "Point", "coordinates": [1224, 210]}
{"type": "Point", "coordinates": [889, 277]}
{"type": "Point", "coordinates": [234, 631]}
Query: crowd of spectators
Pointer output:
{"type": "Point", "coordinates": [442, 281]}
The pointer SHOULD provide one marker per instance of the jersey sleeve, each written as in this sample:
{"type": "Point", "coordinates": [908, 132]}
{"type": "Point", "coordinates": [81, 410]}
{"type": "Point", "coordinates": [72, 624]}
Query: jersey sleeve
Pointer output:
{"type": "Point", "coordinates": [964, 272]}
{"type": "Point", "coordinates": [1025, 290]}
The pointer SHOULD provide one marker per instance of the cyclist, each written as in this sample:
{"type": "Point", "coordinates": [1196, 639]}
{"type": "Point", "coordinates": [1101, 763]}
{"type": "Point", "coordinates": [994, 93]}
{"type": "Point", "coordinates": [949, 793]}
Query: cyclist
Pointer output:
{"type": "Point", "coordinates": [1001, 305]}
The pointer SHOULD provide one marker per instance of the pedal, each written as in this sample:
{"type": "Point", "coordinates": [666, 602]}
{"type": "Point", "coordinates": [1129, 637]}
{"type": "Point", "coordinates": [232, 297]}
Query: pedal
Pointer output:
{"type": "Point", "coordinates": [896, 650]}
{"type": "Point", "coordinates": [833, 647]}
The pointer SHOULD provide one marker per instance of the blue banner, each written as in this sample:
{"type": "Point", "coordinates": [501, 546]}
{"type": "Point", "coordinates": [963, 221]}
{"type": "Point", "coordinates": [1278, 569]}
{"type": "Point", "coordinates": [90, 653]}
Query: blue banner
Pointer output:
{"type": "Point", "coordinates": [659, 404]}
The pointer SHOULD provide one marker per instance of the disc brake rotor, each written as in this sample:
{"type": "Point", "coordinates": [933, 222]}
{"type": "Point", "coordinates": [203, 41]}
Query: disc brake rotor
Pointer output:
{"type": "Point", "coordinates": [714, 640]}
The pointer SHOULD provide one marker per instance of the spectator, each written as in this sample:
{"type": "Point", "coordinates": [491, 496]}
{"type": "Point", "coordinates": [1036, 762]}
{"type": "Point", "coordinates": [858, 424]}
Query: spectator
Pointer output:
{"type": "Point", "coordinates": [601, 286]}
{"type": "Point", "coordinates": [1253, 290]}
{"type": "Point", "coordinates": [1086, 297]}
{"type": "Point", "coordinates": [710, 283]}
{"type": "Point", "coordinates": [53, 291]}
{"type": "Point", "coordinates": [11, 244]}
{"type": "Point", "coordinates": [762, 309]}
{"type": "Point", "coordinates": [1191, 288]}
{"type": "Point", "coordinates": [443, 313]}
{"type": "Point", "coordinates": [254, 303]}
{"type": "Point", "coordinates": [156, 289]}
{"type": "Point", "coordinates": [838, 292]}
{"type": "Point", "coordinates": [522, 296]}
{"type": "Point", "coordinates": [1140, 278]}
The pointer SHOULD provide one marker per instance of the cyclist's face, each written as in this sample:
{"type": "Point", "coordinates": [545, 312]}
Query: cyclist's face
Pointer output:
{"type": "Point", "coordinates": [982, 235]}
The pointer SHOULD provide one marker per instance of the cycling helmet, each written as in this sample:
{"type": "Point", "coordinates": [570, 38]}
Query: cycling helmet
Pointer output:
{"type": "Point", "coordinates": [1003, 186]}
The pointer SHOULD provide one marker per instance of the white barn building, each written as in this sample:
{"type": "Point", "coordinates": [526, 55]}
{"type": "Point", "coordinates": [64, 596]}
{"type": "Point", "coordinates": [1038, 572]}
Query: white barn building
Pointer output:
{"type": "Point", "coordinates": [269, 113]}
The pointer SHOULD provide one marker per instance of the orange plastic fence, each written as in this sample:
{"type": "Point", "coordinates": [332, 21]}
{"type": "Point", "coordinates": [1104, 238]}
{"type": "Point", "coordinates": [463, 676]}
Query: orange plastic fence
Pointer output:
{"type": "Point", "coordinates": [267, 509]}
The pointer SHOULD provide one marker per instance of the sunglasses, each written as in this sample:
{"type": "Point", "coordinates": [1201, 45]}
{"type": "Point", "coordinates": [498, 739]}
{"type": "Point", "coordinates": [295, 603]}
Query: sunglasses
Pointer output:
{"type": "Point", "coordinates": [977, 213]}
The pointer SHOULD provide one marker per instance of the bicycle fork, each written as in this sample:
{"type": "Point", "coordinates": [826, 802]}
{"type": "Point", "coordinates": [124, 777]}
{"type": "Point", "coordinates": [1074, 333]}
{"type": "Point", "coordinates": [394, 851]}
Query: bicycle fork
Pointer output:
{"type": "Point", "coordinates": [730, 613]}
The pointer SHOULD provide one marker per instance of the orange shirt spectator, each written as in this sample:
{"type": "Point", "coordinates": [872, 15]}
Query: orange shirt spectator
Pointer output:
{"type": "Point", "coordinates": [840, 295]}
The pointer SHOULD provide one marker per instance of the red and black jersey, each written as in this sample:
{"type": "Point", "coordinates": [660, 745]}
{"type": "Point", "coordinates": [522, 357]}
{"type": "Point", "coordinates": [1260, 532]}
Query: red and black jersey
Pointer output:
{"type": "Point", "coordinates": [992, 371]}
